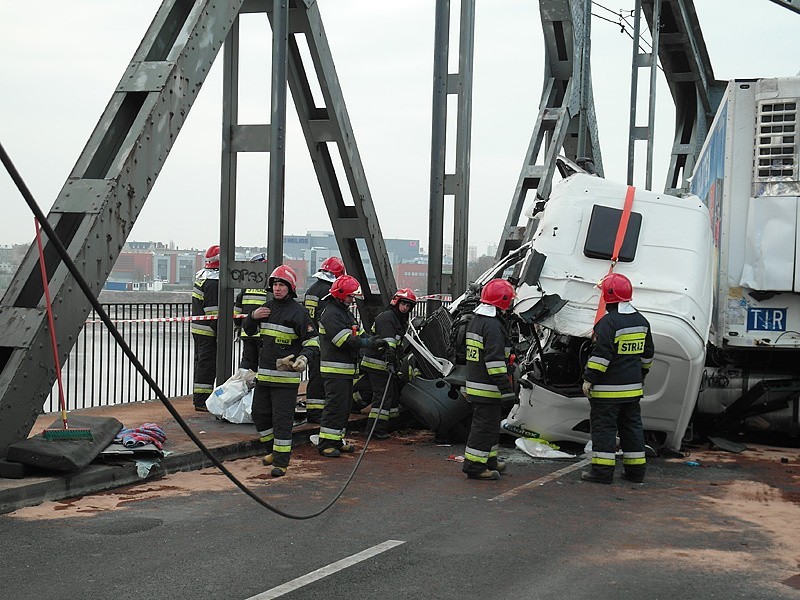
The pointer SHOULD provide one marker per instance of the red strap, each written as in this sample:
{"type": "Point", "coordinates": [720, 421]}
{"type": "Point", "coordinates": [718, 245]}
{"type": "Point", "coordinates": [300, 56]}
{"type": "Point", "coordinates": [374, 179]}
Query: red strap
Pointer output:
{"type": "Point", "coordinates": [621, 230]}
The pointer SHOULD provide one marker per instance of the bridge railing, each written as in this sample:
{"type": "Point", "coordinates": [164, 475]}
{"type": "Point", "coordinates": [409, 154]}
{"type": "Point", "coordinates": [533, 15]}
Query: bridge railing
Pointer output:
{"type": "Point", "coordinates": [97, 373]}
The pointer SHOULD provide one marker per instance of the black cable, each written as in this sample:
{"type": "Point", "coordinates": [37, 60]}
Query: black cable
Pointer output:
{"type": "Point", "coordinates": [596, 16]}
{"type": "Point", "coordinates": [772, 350]}
{"type": "Point", "coordinates": [51, 234]}
{"type": "Point", "coordinates": [613, 12]}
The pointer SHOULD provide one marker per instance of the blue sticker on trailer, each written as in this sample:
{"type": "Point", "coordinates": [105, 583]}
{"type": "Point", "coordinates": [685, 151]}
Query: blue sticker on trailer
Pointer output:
{"type": "Point", "coordinates": [766, 319]}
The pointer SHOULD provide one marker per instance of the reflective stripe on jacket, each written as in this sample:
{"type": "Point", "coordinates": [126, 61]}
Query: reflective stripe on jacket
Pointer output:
{"type": "Point", "coordinates": [247, 301]}
{"type": "Point", "coordinates": [620, 357]}
{"type": "Point", "coordinates": [205, 302]}
{"type": "Point", "coordinates": [313, 300]}
{"type": "Point", "coordinates": [339, 341]}
{"type": "Point", "coordinates": [487, 360]}
{"type": "Point", "coordinates": [287, 330]}
{"type": "Point", "coordinates": [390, 326]}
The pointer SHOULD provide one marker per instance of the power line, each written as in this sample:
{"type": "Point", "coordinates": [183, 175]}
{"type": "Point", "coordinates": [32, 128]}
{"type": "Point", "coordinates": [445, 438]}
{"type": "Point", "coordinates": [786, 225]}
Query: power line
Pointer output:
{"type": "Point", "coordinates": [624, 26]}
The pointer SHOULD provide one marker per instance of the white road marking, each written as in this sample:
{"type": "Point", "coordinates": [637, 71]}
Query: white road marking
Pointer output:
{"type": "Point", "coordinates": [323, 572]}
{"type": "Point", "coordinates": [541, 481]}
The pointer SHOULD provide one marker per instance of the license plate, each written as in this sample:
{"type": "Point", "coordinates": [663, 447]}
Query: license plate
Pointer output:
{"type": "Point", "coordinates": [766, 319]}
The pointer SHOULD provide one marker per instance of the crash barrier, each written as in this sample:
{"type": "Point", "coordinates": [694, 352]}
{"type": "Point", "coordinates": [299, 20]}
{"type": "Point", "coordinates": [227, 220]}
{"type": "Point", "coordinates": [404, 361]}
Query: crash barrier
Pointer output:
{"type": "Point", "coordinates": [96, 373]}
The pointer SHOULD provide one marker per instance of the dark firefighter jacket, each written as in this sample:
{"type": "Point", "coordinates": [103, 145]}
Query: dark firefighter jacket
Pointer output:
{"type": "Point", "coordinates": [247, 301]}
{"type": "Point", "coordinates": [205, 301]}
{"type": "Point", "coordinates": [287, 330]}
{"type": "Point", "coordinates": [389, 326]}
{"type": "Point", "coordinates": [488, 349]}
{"type": "Point", "coordinates": [621, 356]}
{"type": "Point", "coordinates": [313, 300]}
{"type": "Point", "coordinates": [339, 341]}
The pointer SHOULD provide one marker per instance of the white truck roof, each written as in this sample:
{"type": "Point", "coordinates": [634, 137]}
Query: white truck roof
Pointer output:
{"type": "Point", "coordinates": [671, 271]}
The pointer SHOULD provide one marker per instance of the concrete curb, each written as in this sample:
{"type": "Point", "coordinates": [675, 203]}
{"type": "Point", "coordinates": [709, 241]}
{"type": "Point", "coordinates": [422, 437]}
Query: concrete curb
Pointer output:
{"type": "Point", "coordinates": [102, 477]}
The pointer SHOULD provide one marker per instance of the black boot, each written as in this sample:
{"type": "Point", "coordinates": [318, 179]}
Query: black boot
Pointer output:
{"type": "Point", "coordinates": [487, 475]}
{"type": "Point", "coordinates": [594, 477]}
{"type": "Point", "coordinates": [633, 477]}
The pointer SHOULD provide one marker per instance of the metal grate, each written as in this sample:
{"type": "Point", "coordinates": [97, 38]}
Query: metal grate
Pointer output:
{"type": "Point", "coordinates": [433, 333]}
{"type": "Point", "coordinates": [776, 141]}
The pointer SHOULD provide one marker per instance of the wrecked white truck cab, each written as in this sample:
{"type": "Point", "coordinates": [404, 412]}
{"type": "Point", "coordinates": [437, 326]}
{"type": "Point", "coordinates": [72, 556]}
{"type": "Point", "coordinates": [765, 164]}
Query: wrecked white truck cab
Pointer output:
{"type": "Point", "coordinates": [667, 254]}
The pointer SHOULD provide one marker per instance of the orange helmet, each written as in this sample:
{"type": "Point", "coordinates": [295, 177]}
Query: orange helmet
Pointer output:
{"type": "Point", "coordinates": [499, 293]}
{"type": "Point", "coordinates": [212, 257]}
{"type": "Point", "coordinates": [616, 288]}
{"type": "Point", "coordinates": [404, 295]}
{"type": "Point", "coordinates": [344, 286]}
{"type": "Point", "coordinates": [333, 265]}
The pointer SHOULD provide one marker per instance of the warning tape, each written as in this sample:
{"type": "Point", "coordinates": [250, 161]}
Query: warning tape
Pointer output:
{"type": "Point", "coordinates": [442, 297]}
{"type": "Point", "coordinates": [167, 319]}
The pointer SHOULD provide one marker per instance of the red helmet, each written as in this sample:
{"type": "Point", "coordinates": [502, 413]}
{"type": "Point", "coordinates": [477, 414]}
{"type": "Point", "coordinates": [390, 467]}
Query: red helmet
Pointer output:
{"type": "Point", "coordinates": [212, 257]}
{"type": "Point", "coordinates": [284, 274]}
{"type": "Point", "coordinates": [404, 295]}
{"type": "Point", "coordinates": [345, 286]}
{"type": "Point", "coordinates": [616, 288]}
{"type": "Point", "coordinates": [333, 265]}
{"type": "Point", "coordinates": [498, 293]}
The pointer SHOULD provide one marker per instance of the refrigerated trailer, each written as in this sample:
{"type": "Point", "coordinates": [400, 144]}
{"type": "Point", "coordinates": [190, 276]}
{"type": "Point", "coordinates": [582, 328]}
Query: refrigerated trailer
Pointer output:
{"type": "Point", "coordinates": [748, 176]}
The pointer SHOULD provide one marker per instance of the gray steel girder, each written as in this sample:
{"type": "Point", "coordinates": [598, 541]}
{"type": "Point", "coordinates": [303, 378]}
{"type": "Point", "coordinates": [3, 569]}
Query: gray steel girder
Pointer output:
{"type": "Point", "coordinates": [456, 183]}
{"type": "Point", "coordinates": [326, 127]}
{"type": "Point", "coordinates": [102, 197]}
{"type": "Point", "coordinates": [687, 68]}
{"type": "Point", "coordinates": [567, 118]}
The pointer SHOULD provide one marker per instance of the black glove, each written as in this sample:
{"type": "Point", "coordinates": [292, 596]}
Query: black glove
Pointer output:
{"type": "Point", "coordinates": [390, 354]}
{"type": "Point", "coordinates": [376, 344]}
{"type": "Point", "coordinates": [392, 360]}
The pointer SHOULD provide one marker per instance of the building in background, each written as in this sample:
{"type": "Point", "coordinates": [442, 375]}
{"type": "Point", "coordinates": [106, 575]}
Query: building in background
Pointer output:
{"type": "Point", "coordinates": [154, 264]}
{"type": "Point", "coordinates": [412, 275]}
{"type": "Point", "coordinates": [11, 256]}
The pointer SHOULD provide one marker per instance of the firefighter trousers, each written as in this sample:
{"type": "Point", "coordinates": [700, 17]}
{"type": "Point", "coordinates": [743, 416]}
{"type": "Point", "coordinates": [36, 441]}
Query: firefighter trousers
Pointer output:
{"type": "Point", "coordinates": [251, 346]}
{"type": "Point", "coordinates": [315, 391]}
{"type": "Point", "coordinates": [338, 398]}
{"type": "Point", "coordinates": [205, 368]}
{"type": "Point", "coordinates": [608, 418]}
{"type": "Point", "coordinates": [273, 415]}
{"type": "Point", "coordinates": [378, 381]}
{"type": "Point", "coordinates": [484, 437]}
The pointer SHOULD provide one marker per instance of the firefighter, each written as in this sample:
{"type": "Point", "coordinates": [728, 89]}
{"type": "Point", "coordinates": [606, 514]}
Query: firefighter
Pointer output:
{"type": "Point", "coordinates": [314, 301]}
{"type": "Point", "coordinates": [340, 339]}
{"type": "Point", "coordinates": [621, 355]}
{"type": "Point", "coordinates": [381, 367]}
{"type": "Point", "coordinates": [288, 340]}
{"type": "Point", "coordinates": [246, 302]}
{"type": "Point", "coordinates": [205, 302]}
{"type": "Point", "coordinates": [488, 380]}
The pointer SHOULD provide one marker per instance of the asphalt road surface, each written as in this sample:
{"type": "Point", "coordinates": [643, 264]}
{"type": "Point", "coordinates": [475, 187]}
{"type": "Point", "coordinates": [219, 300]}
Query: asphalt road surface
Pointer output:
{"type": "Point", "coordinates": [410, 526]}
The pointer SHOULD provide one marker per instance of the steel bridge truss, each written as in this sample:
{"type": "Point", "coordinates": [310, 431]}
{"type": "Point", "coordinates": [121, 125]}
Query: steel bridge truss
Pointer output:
{"type": "Point", "coordinates": [566, 122]}
{"type": "Point", "coordinates": [106, 190]}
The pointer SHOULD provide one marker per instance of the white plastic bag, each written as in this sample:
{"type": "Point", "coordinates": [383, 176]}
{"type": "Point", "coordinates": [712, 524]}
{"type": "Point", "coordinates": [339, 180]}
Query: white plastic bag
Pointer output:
{"type": "Point", "coordinates": [539, 448]}
{"type": "Point", "coordinates": [241, 411]}
{"type": "Point", "coordinates": [230, 392]}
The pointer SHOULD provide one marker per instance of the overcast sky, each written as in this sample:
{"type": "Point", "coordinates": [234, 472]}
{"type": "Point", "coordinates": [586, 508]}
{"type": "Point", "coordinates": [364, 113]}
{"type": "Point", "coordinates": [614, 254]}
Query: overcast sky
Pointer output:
{"type": "Point", "coordinates": [59, 65]}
